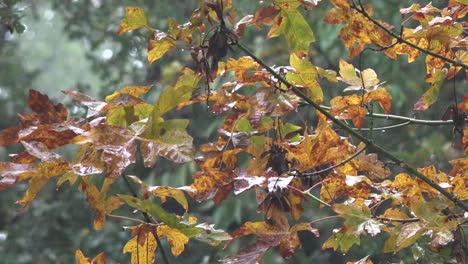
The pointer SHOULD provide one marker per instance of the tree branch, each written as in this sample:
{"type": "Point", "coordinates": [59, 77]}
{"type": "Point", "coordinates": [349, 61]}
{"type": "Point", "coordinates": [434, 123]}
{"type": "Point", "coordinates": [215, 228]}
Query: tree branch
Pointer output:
{"type": "Point", "coordinates": [404, 118]}
{"type": "Point", "coordinates": [401, 220]}
{"type": "Point", "coordinates": [362, 11]}
{"type": "Point", "coordinates": [354, 133]}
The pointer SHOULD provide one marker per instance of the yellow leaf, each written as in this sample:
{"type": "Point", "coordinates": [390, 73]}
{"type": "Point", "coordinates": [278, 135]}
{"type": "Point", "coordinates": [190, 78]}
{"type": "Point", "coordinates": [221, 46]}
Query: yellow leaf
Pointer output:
{"type": "Point", "coordinates": [81, 259]}
{"type": "Point", "coordinates": [135, 91]}
{"type": "Point", "coordinates": [165, 191]}
{"type": "Point", "coordinates": [176, 238]}
{"type": "Point", "coordinates": [142, 246]}
{"type": "Point", "coordinates": [134, 18]}
{"type": "Point", "coordinates": [158, 47]}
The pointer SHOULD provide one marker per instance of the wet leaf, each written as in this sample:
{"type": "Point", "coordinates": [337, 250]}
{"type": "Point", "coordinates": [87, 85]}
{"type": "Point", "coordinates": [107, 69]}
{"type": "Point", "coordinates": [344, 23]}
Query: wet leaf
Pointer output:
{"type": "Point", "coordinates": [134, 18]}
{"type": "Point", "coordinates": [142, 246]}
{"type": "Point", "coordinates": [430, 96]}
{"type": "Point", "coordinates": [159, 45]}
{"type": "Point", "coordinates": [176, 238]}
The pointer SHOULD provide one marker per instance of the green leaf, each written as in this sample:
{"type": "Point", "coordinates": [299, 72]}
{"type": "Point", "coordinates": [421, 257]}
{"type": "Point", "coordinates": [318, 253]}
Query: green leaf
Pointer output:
{"type": "Point", "coordinates": [211, 235]}
{"type": "Point", "coordinates": [355, 216]}
{"type": "Point", "coordinates": [430, 96]}
{"type": "Point", "coordinates": [152, 209]}
{"type": "Point", "coordinates": [341, 240]}
{"type": "Point", "coordinates": [296, 30]}
{"type": "Point", "coordinates": [176, 94]}
{"type": "Point", "coordinates": [289, 128]}
{"type": "Point", "coordinates": [409, 234]}
{"type": "Point", "coordinates": [243, 125]}
{"type": "Point", "coordinates": [305, 75]}
{"type": "Point", "coordinates": [134, 18]}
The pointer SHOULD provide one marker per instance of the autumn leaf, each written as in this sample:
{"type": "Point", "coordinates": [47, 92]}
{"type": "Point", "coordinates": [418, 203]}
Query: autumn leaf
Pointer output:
{"type": "Point", "coordinates": [135, 91]}
{"type": "Point", "coordinates": [134, 18]}
{"type": "Point", "coordinates": [430, 96]}
{"type": "Point", "coordinates": [81, 259]}
{"type": "Point", "coordinates": [98, 201]}
{"type": "Point", "coordinates": [341, 240]}
{"type": "Point", "coordinates": [142, 245]}
{"type": "Point", "coordinates": [305, 76]}
{"type": "Point", "coordinates": [296, 30]}
{"type": "Point", "coordinates": [159, 44]}
{"type": "Point", "coordinates": [176, 238]}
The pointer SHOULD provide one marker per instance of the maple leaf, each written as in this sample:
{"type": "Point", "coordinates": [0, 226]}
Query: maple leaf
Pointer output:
{"type": "Point", "coordinates": [134, 18]}
{"type": "Point", "coordinates": [143, 244]}
{"type": "Point", "coordinates": [118, 147]}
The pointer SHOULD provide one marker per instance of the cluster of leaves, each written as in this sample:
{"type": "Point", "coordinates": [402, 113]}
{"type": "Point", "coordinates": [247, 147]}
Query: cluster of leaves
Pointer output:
{"type": "Point", "coordinates": [280, 157]}
{"type": "Point", "coordinates": [10, 16]}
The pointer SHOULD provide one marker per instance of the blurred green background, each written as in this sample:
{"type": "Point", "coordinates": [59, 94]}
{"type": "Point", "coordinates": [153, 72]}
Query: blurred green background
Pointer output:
{"type": "Point", "coordinates": [55, 45]}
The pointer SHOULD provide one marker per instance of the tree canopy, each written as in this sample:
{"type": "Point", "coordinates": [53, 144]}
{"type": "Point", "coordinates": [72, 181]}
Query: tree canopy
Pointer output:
{"type": "Point", "coordinates": [312, 148]}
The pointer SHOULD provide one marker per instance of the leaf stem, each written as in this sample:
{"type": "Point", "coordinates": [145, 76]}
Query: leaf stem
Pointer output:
{"type": "Point", "coordinates": [148, 220]}
{"type": "Point", "coordinates": [127, 218]}
{"type": "Point", "coordinates": [323, 218]}
{"type": "Point", "coordinates": [369, 143]}
{"type": "Point", "coordinates": [317, 199]}
{"type": "Point", "coordinates": [384, 128]}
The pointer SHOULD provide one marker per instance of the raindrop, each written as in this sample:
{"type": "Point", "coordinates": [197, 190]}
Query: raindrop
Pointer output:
{"type": "Point", "coordinates": [383, 131]}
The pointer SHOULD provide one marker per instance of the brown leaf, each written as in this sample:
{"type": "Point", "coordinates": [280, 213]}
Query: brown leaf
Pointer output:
{"type": "Point", "coordinates": [47, 110]}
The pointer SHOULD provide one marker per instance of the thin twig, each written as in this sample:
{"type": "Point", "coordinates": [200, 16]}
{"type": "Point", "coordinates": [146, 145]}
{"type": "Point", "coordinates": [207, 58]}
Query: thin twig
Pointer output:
{"type": "Point", "coordinates": [317, 199]}
{"type": "Point", "coordinates": [128, 218]}
{"type": "Point", "coordinates": [148, 220]}
{"type": "Point", "coordinates": [404, 118]}
{"type": "Point", "coordinates": [362, 11]}
{"type": "Point", "coordinates": [323, 218]}
{"type": "Point", "coordinates": [401, 220]}
{"type": "Point", "coordinates": [385, 127]}
{"type": "Point", "coordinates": [357, 135]}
